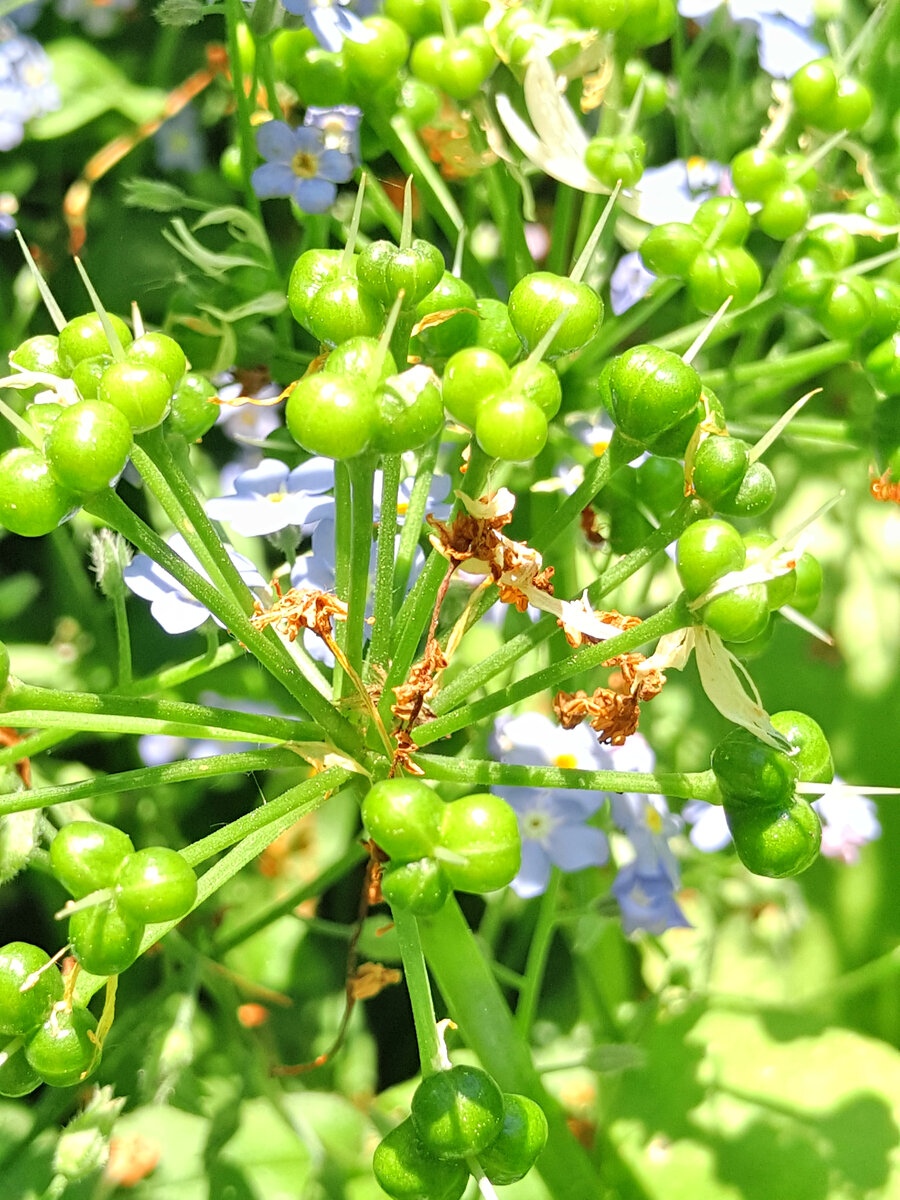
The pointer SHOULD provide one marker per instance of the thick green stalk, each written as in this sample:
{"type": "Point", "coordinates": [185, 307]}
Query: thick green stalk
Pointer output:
{"type": "Point", "coordinates": [674, 616]}
{"type": "Point", "coordinates": [380, 649]}
{"type": "Point", "coordinates": [596, 476]}
{"type": "Point", "coordinates": [412, 521]}
{"type": "Point", "coordinates": [234, 16]}
{"type": "Point", "coordinates": [361, 473]}
{"type": "Point", "coordinates": [699, 785]}
{"type": "Point", "coordinates": [149, 777]}
{"type": "Point", "coordinates": [785, 372]}
{"type": "Point", "coordinates": [343, 553]}
{"type": "Point", "coordinates": [476, 1004]}
{"type": "Point", "coordinates": [28, 706]}
{"type": "Point", "coordinates": [419, 988]}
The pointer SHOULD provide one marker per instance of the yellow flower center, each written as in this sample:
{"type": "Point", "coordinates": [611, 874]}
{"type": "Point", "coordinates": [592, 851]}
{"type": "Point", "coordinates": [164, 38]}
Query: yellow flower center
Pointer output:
{"type": "Point", "coordinates": [565, 761]}
{"type": "Point", "coordinates": [402, 508]}
{"type": "Point", "coordinates": [654, 820]}
{"type": "Point", "coordinates": [599, 448]}
{"type": "Point", "coordinates": [305, 165]}
{"type": "Point", "coordinates": [276, 497]}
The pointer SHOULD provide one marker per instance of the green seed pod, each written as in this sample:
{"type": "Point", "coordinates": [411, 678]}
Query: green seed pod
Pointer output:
{"type": "Point", "coordinates": [650, 391]}
{"type": "Point", "coordinates": [420, 886]}
{"type": "Point", "coordinates": [457, 1112]}
{"type": "Point", "coordinates": [383, 270]}
{"type": "Point", "coordinates": [540, 298]}
{"type": "Point", "coordinates": [775, 841]}
{"type": "Point", "coordinates": [813, 758]}
{"type": "Point", "coordinates": [751, 774]}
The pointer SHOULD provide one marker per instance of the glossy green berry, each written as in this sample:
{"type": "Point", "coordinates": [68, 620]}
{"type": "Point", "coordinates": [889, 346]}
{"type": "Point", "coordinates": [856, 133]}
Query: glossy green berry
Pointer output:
{"type": "Point", "coordinates": [193, 410]}
{"type": "Point", "coordinates": [799, 171]}
{"type": "Point", "coordinates": [457, 1112]}
{"type": "Point", "coordinates": [320, 77]}
{"type": "Point", "coordinates": [410, 411]}
{"type": "Point", "coordinates": [651, 390]}
{"type": "Point", "coordinates": [813, 754]}
{"type": "Point", "coordinates": [39, 354]}
{"type": "Point", "coordinates": [105, 940]}
{"type": "Point", "coordinates": [495, 331]}
{"type": "Point", "coordinates": [659, 484]}
{"type": "Point", "coordinates": [722, 221]}
{"type": "Point", "coordinates": [755, 172]}
{"type": "Point", "coordinates": [83, 337]}
{"type": "Point", "coordinates": [404, 817]}
{"type": "Point", "coordinates": [883, 364]}
{"type": "Point", "coordinates": [540, 383]}
{"type": "Point", "coordinates": [809, 584]}
{"type": "Point", "coordinates": [511, 426]}
{"type": "Point", "coordinates": [849, 108]}
{"type": "Point", "coordinates": [17, 1076]}
{"type": "Point", "coordinates": [482, 835]}
{"type": "Point", "coordinates": [25, 996]}
{"type": "Point", "coordinates": [738, 615]}
{"type": "Point", "coordinates": [670, 249]}
{"type": "Point", "coordinates": [406, 1170]}
{"type": "Point", "coordinates": [160, 351]}
{"type": "Point", "coordinates": [806, 281]}
{"type": "Point", "coordinates": [635, 72]}
{"type": "Point", "coordinates": [832, 244]}
{"type": "Point", "coordinates": [335, 416]}
{"type": "Point", "coordinates": [752, 774]}
{"type": "Point", "coordinates": [719, 466]}
{"type": "Point", "coordinates": [754, 496]}
{"type": "Point", "coordinates": [86, 855]}
{"type": "Point", "coordinates": [312, 270]}
{"type": "Point", "coordinates": [814, 87]}
{"type": "Point", "coordinates": [341, 309]}
{"type": "Point", "coordinates": [449, 296]}
{"type": "Point", "coordinates": [61, 1050]}
{"type": "Point", "coordinates": [362, 357]}
{"type": "Point", "coordinates": [421, 886]}
{"type": "Point", "coordinates": [384, 270]}
{"type": "Point", "coordinates": [418, 102]}
{"type": "Point", "coordinates": [470, 376]}
{"type": "Point", "coordinates": [716, 275]}
{"type": "Point", "coordinates": [785, 211]}
{"type": "Point", "coordinates": [88, 446]}
{"type": "Point", "coordinates": [376, 59]}
{"type": "Point", "coordinates": [886, 317]}
{"type": "Point", "coordinates": [779, 589]}
{"type": "Point", "coordinates": [615, 159]}
{"type": "Point", "coordinates": [32, 503]}
{"type": "Point", "coordinates": [155, 884]}
{"type": "Point", "coordinates": [457, 65]}
{"type": "Point", "coordinates": [882, 209]}
{"type": "Point", "coordinates": [539, 299]}
{"type": "Point", "coordinates": [41, 417]}
{"type": "Point", "coordinates": [705, 552]}
{"type": "Point", "coordinates": [518, 1145]}
{"type": "Point", "coordinates": [87, 374]}
{"type": "Point", "coordinates": [778, 841]}
{"type": "Point", "coordinates": [847, 307]}
{"type": "Point", "coordinates": [142, 393]}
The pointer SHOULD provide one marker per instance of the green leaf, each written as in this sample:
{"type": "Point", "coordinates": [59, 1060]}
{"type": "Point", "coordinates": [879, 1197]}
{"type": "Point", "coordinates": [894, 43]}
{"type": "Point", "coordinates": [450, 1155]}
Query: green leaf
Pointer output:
{"type": "Point", "coordinates": [267, 304]}
{"type": "Point", "coordinates": [242, 226]}
{"type": "Point", "coordinates": [17, 594]}
{"type": "Point", "coordinates": [730, 1106]}
{"type": "Point", "coordinates": [180, 13]}
{"type": "Point", "coordinates": [157, 195]}
{"type": "Point", "coordinates": [265, 1158]}
{"type": "Point", "coordinates": [89, 86]}
{"type": "Point", "coordinates": [214, 265]}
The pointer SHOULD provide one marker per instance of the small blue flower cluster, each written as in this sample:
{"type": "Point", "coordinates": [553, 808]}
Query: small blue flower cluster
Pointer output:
{"type": "Point", "coordinates": [307, 163]}
{"type": "Point", "coordinates": [27, 89]}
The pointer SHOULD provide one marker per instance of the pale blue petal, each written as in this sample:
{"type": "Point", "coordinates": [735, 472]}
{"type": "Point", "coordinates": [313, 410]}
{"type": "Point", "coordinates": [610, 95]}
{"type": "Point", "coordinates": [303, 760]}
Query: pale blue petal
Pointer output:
{"type": "Point", "coordinates": [273, 179]}
{"type": "Point", "coordinates": [574, 847]}
{"type": "Point", "coordinates": [335, 166]}
{"type": "Point", "coordinates": [784, 47]}
{"type": "Point", "coordinates": [315, 475]}
{"type": "Point", "coordinates": [177, 614]}
{"type": "Point", "coordinates": [534, 873]}
{"type": "Point", "coordinates": [276, 141]}
{"type": "Point", "coordinates": [710, 831]}
{"type": "Point", "coordinates": [266, 477]}
{"type": "Point", "coordinates": [314, 195]}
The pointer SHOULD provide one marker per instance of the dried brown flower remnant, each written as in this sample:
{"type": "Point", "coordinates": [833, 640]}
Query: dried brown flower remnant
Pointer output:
{"type": "Point", "coordinates": [370, 979]}
{"type": "Point", "coordinates": [411, 694]}
{"type": "Point", "coordinates": [884, 490]}
{"type": "Point", "coordinates": [612, 716]}
{"type": "Point", "coordinates": [300, 608]}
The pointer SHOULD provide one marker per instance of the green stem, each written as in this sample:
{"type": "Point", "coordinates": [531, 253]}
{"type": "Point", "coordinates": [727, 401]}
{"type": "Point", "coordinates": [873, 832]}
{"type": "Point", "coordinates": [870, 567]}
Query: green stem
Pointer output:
{"type": "Point", "coordinates": [561, 230]}
{"type": "Point", "coordinates": [418, 607]}
{"type": "Point", "coordinates": [263, 646]}
{"type": "Point", "coordinates": [785, 372]}
{"type": "Point", "coordinates": [31, 746]}
{"type": "Point", "coordinates": [361, 476]}
{"type": "Point", "coordinates": [380, 649]}
{"type": "Point", "coordinates": [596, 476]}
{"type": "Point", "coordinates": [506, 214]}
{"type": "Point", "coordinates": [419, 989]}
{"type": "Point", "coordinates": [234, 16]}
{"type": "Point", "coordinates": [617, 329]}
{"type": "Point", "coordinates": [254, 832]}
{"type": "Point", "coordinates": [171, 677]}
{"type": "Point", "coordinates": [288, 904]}
{"type": "Point", "coordinates": [343, 551]}
{"type": "Point", "coordinates": [476, 1003]}
{"type": "Point", "coordinates": [28, 706]}
{"type": "Point", "coordinates": [415, 515]}
{"type": "Point", "coordinates": [537, 955]}
{"type": "Point", "coordinates": [384, 209]}
{"type": "Point", "coordinates": [482, 673]}
{"type": "Point", "coordinates": [674, 616]}
{"type": "Point", "coordinates": [151, 777]}
{"type": "Point", "coordinates": [123, 638]}
{"type": "Point", "coordinates": [699, 785]}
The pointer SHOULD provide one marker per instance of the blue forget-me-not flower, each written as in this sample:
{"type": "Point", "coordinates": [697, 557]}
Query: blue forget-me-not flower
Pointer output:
{"type": "Point", "coordinates": [299, 166]}
{"type": "Point", "coordinates": [271, 496]}
{"type": "Point", "coordinates": [330, 21]}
